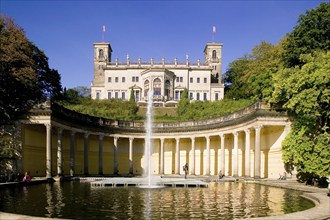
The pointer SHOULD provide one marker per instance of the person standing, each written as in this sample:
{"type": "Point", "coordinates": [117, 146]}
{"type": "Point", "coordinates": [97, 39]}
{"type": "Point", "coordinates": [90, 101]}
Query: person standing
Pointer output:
{"type": "Point", "coordinates": [185, 169]}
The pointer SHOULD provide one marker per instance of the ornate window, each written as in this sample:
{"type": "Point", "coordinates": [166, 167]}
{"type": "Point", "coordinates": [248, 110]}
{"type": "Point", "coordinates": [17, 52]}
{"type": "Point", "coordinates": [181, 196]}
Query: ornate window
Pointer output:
{"type": "Point", "coordinates": [157, 86]}
{"type": "Point", "coordinates": [146, 88]}
{"type": "Point", "coordinates": [137, 95]}
{"type": "Point", "coordinates": [167, 88]}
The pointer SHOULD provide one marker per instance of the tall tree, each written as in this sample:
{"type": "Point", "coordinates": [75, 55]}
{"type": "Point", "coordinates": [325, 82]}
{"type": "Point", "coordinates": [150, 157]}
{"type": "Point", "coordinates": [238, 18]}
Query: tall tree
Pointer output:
{"type": "Point", "coordinates": [235, 79]}
{"type": "Point", "coordinates": [305, 93]}
{"type": "Point", "coordinates": [312, 33]}
{"type": "Point", "coordinates": [251, 76]}
{"type": "Point", "coordinates": [25, 76]}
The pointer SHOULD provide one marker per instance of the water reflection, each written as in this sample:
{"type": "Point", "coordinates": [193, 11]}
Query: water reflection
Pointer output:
{"type": "Point", "coordinates": [220, 201]}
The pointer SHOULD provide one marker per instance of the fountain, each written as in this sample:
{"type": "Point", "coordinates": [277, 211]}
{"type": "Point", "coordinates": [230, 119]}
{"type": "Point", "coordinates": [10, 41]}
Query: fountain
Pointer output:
{"type": "Point", "coordinates": [147, 150]}
{"type": "Point", "coordinates": [148, 181]}
{"type": "Point", "coordinates": [148, 146]}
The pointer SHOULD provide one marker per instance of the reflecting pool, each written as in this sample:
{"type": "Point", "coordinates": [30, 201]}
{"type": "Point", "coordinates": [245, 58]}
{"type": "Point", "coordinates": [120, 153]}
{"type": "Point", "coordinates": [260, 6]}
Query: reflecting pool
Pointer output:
{"type": "Point", "coordinates": [222, 200]}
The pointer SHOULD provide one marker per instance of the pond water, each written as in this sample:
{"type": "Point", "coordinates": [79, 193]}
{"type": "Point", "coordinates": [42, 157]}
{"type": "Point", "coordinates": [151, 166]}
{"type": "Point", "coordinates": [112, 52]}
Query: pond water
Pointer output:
{"type": "Point", "coordinates": [222, 200]}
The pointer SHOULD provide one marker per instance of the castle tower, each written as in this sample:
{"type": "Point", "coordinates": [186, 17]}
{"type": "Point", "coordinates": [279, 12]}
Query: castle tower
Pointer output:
{"type": "Point", "coordinates": [213, 58]}
{"type": "Point", "coordinates": [102, 56]}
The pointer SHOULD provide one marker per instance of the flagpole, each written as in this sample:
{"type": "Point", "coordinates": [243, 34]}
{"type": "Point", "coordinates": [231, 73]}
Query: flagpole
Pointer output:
{"type": "Point", "coordinates": [103, 31]}
{"type": "Point", "coordinates": [213, 33]}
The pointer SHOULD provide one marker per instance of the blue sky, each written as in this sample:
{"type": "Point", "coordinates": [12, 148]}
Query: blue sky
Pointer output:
{"type": "Point", "coordinates": [66, 30]}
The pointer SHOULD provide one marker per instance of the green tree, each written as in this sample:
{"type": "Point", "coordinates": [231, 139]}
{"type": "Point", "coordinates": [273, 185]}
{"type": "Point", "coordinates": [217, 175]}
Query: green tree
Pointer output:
{"type": "Point", "coordinates": [312, 33]}
{"type": "Point", "coordinates": [25, 77]}
{"type": "Point", "coordinates": [235, 79]}
{"type": "Point", "coordinates": [251, 77]}
{"type": "Point", "coordinates": [183, 103]}
{"type": "Point", "coordinates": [132, 97]}
{"type": "Point", "coordinates": [305, 93]}
{"type": "Point", "coordinates": [83, 91]}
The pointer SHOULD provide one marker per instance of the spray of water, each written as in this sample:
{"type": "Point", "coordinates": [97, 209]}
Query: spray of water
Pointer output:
{"type": "Point", "coordinates": [148, 138]}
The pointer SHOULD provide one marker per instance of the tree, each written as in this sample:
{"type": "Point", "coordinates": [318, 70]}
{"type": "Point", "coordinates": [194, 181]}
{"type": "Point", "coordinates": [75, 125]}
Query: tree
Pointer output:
{"type": "Point", "coordinates": [235, 79]}
{"type": "Point", "coordinates": [83, 91]}
{"type": "Point", "coordinates": [312, 33]}
{"type": "Point", "coordinates": [132, 97]}
{"type": "Point", "coordinates": [183, 103]}
{"type": "Point", "coordinates": [251, 77]}
{"type": "Point", "coordinates": [305, 93]}
{"type": "Point", "coordinates": [25, 77]}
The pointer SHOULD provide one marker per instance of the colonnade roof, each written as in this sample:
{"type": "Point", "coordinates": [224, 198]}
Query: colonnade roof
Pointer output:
{"type": "Point", "coordinates": [57, 114]}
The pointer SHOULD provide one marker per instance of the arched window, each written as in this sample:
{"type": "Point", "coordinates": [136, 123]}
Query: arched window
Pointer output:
{"type": "Point", "coordinates": [157, 85]}
{"type": "Point", "coordinates": [101, 54]}
{"type": "Point", "coordinates": [214, 54]}
{"type": "Point", "coordinates": [167, 88]}
{"type": "Point", "coordinates": [146, 88]}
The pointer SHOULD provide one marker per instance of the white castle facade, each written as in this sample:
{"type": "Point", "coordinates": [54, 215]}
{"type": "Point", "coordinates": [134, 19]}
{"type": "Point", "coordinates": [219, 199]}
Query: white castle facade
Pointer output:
{"type": "Point", "coordinates": [166, 80]}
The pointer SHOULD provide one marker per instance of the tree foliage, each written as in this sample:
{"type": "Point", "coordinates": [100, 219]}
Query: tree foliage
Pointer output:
{"type": "Point", "coordinates": [183, 103]}
{"type": "Point", "coordinates": [295, 74]}
{"type": "Point", "coordinates": [25, 77]}
{"type": "Point", "coordinates": [312, 33]}
{"type": "Point", "coordinates": [305, 93]}
{"type": "Point", "coordinates": [251, 77]}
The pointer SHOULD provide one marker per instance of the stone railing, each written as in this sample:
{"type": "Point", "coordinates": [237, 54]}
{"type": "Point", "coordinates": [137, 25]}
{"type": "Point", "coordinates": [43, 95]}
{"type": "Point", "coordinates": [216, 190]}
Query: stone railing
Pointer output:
{"type": "Point", "coordinates": [156, 64]}
{"type": "Point", "coordinates": [139, 126]}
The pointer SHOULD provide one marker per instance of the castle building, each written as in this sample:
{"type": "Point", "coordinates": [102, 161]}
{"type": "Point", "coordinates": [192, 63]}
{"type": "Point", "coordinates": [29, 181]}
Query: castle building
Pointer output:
{"type": "Point", "coordinates": [166, 80]}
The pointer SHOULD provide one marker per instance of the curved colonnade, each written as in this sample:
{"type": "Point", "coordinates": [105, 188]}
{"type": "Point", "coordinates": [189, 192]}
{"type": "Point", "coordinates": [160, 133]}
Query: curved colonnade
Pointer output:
{"type": "Point", "coordinates": [246, 143]}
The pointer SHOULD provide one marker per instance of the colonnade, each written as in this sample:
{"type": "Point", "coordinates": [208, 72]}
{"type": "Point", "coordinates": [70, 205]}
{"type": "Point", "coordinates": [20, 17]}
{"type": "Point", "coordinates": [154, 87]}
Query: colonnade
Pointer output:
{"type": "Point", "coordinates": [161, 138]}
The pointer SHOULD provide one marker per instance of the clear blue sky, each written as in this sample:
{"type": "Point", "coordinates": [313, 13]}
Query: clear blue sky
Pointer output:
{"type": "Point", "coordinates": [66, 30]}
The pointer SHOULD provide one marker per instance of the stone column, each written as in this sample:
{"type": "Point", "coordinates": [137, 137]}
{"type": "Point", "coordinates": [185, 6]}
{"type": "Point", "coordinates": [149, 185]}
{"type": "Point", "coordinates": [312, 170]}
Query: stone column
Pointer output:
{"type": "Point", "coordinates": [257, 157]}
{"type": "Point", "coordinates": [72, 162]}
{"type": "Point", "coordinates": [130, 156]}
{"type": "Point", "coordinates": [223, 164]}
{"type": "Point", "coordinates": [115, 154]}
{"type": "Point", "coordinates": [247, 152]}
{"type": "Point", "coordinates": [162, 156]}
{"type": "Point", "coordinates": [177, 156]}
{"type": "Point", "coordinates": [101, 154]}
{"type": "Point", "coordinates": [59, 151]}
{"type": "Point", "coordinates": [235, 165]}
{"type": "Point", "coordinates": [192, 166]}
{"type": "Point", "coordinates": [86, 135]}
{"type": "Point", "coordinates": [48, 150]}
{"type": "Point", "coordinates": [207, 165]}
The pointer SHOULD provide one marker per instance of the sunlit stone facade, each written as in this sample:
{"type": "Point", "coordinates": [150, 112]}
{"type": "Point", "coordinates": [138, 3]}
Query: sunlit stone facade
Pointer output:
{"type": "Point", "coordinates": [165, 79]}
